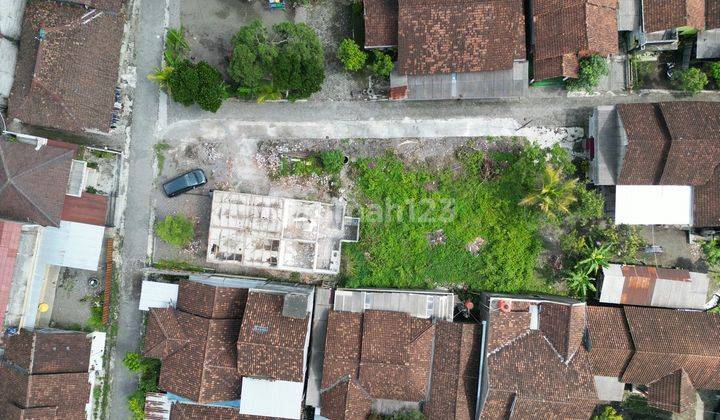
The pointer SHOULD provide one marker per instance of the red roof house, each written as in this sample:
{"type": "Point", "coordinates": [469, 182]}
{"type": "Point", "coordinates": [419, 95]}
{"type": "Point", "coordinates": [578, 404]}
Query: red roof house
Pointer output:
{"type": "Point", "coordinates": [9, 243]}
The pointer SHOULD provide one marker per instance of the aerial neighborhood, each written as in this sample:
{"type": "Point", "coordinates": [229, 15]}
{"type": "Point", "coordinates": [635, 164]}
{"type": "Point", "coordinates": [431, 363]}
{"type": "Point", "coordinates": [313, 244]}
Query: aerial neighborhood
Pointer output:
{"type": "Point", "coordinates": [359, 209]}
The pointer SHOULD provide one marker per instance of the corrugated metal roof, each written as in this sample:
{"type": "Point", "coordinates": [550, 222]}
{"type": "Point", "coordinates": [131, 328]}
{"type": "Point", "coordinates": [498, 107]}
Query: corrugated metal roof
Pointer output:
{"type": "Point", "coordinates": [157, 406]}
{"type": "Point", "coordinates": [158, 295]}
{"type": "Point", "coordinates": [89, 208]}
{"type": "Point", "coordinates": [416, 303]}
{"type": "Point", "coordinates": [9, 242]}
{"type": "Point", "coordinates": [74, 245]}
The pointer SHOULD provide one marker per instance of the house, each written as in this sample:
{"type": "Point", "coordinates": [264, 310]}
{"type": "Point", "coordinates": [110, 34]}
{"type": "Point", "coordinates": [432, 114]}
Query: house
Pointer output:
{"type": "Point", "coordinates": [451, 49]}
{"type": "Point", "coordinates": [385, 360]}
{"type": "Point", "coordinates": [667, 353]}
{"type": "Point", "coordinates": [67, 68]}
{"type": "Point", "coordinates": [49, 374]}
{"type": "Point", "coordinates": [565, 32]}
{"type": "Point", "coordinates": [278, 233]}
{"type": "Point", "coordinates": [659, 161]}
{"type": "Point", "coordinates": [48, 222]}
{"type": "Point", "coordinates": [650, 286]}
{"type": "Point", "coordinates": [656, 24]}
{"type": "Point", "coordinates": [240, 344]}
{"type": "Point", "coordinates": [535, 359]}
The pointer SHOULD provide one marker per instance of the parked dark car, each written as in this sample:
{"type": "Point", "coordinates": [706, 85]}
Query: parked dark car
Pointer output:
{"type": "Point", "coordinates": [184, 183]}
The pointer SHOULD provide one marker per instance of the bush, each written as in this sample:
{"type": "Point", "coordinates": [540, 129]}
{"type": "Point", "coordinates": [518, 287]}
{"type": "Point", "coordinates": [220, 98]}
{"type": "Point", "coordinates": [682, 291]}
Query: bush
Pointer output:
{"type": "Point", "coordinates": [608, 413]}
{"type": "Point", "coordinates": [592, 69]}
{"type": "Point", "coordinates": [590, 204]}
{"type": "Point", "coordinates": [211, 90]}
{"type": "Point", "coordinates": [382, 64]}
{"type": "Point", "coordinates": [351, 56]}
{"type": "Point", "coordinates": [332, 161]}
{"type": "Point", "coordinates": [714, 71]}
{"type": "Point", "coordinates": [692, 80]}
{"type": "Point", "coordinates": [711, 249]}
{"type": "Point", "coordinates": [289, 61]}
{"type": "Point", "coordinates": [176, 230]}
{"type": "Point", "coordinates": [149, 370]}
{"type": "Point", "coordinates": [183, 83]}
{"type": "Point", "coordinates": [133, 362]}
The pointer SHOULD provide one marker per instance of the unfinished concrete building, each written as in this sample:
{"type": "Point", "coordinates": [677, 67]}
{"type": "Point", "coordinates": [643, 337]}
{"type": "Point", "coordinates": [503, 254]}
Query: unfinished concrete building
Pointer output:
{"type": "Point", "coordinates": [278, 233]}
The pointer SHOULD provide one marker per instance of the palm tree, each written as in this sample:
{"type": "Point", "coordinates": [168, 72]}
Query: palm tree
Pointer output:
{"type": "Point", "coordinates": [554, 195]}
{"type": "Point", "coordinates": [580, 283]}
{"type": "Point", "coordinates": [597, 259]}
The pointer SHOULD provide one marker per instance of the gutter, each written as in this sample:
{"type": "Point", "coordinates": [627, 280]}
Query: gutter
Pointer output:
{"type": "Point", "coordinates": [479, 399]}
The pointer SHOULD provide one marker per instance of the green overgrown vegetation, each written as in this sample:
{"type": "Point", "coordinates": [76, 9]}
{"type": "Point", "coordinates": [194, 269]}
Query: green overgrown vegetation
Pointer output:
{"type": "Point", "coordinates": [642, 70]}
{"type": "Point", "coordinates": [713, 70]}
{"type": "Point", "coordinates": [327, 162]}
{"type": "Point", "coordinates": [381, 64]}
{"type": "Point", "coordinates": [691, 80]}
{"type": "Point", "coordinates": [406, 414]}
{"type": "Point", "coordinates": [424, 228]}
{"type": "Point", "coordinates": [635, 407]}
{"type": "Point", "coordinates": [95, 322]}
{"type": "Point", "coordinates": [160, 148]}
{"type": "Point", "coordinates": [285, 62]}
{"type": "Point", "coordinates": [351, 55]}
{"type": "Point", "coordinates": [607, 413]}
{"type": "Point", "coordinates": [176, 230]}
{"type": "Point", "coordinates": [149, 371]}
{"type": "Point", "coordinates": [592, 69]}
{"type": "Point", "coordinates": [175, 265]}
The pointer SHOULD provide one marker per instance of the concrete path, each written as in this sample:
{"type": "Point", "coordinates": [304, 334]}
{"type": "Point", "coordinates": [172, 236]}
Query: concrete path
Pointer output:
{"type": "Point", "coordinates": [149, 45]}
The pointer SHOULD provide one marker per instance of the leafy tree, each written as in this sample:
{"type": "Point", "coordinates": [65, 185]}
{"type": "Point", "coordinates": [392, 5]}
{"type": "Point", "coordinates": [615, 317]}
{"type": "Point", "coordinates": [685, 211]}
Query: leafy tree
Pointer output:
{"type": "Point", "coordinates": [714, 71]}
{"type": "Point", "coordinates": [608, 413]}
{"type": "Point", "coordinates": [382, 64]}
{"type": "Point", "coordinates": [290, 60]}
{"type": "Point", "coordinates": [332, 161]}
{"type": "Point", "coordinates": [590, 204]}
{"type": "Point", "coordinates": [691, 80]}
{"type": "Point", "coordinates": [554, 195]}
{"type": "Point", "coordinates": [711, 249]}
{"type": "Point", "coordinates": [212, 90]}
{"type": "Point", "coordinates": [253, 56]}
{"type": "Point", "coordinates": [592, 69]}
{"type": "Point", "coordinates": [176, 230]}
{"type": "Point", "coordinates": [184, 83]}
{"type": "Point", "coordinates": [149, 370]}
{"type": "Point", "coordinates": [351, 55]}
{"type": "Point", "coordinates": [597, 259]}
{"type": "Point", "coordinates": [579, 283]}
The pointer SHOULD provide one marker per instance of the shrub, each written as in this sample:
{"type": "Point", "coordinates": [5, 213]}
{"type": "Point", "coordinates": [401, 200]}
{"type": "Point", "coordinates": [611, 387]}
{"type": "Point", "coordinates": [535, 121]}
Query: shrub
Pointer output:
{"type": "Point", "coordinates": [691, 80]}
{"type": "Point", "coordinates": [590, 204]}
{"type": "Point", "coordinates": [176, 230]}
{"type": "Point", "coordinates": [351, 55]}
{"type": "Point", "coordinates": [714, 71]}
{"type": "Point", "coordinates": [554, 194]}
{"type": "Point", "coordinates": [608, 413]}
{"type": "Point", "coordinates": [332, 161]}
{"type": "Point", "coordinates": [211, 90]}
{"type": "Point", "coordinates": [133, 362]}
{"type": "Point", "coordinates": [592, 69]}
{"type": "Point", "coordinates": [184, 83]}
{"type": "Point", "coordinates": [149, 370]}
{"type": "Point", "coordinates": [580, 283]}
{"type": "Point", "coordinates": [711, 249]}
{"type": "Point", "coordinates": [382, 64]}
{"type": "Point", "coordinates": [176, 46]}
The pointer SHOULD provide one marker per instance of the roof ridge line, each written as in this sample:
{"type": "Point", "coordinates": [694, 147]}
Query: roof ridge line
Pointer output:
{"type": "Point", "coordinates": [512, 341]}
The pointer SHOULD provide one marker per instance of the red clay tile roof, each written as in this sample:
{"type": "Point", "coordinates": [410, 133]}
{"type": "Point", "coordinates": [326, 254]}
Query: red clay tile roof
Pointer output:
{"type": "Point", "coordinates": [568, 29]}
{"type": "Point", "coordinates": [381, 23]}
{"type": "Point", "coordinates": [712, 14]}
{"type": "Point", "coordinates": [648, 144]}
{"type": "Point", "coordinates": [90, 209]}
{"type": "Point", "coordinates": [345, 400]}
{"type": "Point", "coordinates": [538, 366]}
{"type": "Point", "coordinates": [612, 345]}
{"type": "Point", "coordinates": [271, 345]}
{"type": "Point", "coordinates": [49, 377]}
{"type": "Point", "coordinates": [455, 368]}
{"type": "Point", "coordinates": [706, 202]}
{"type": "Point", "coordinates": [454, 36]}
{"type": "Point", "coordinates": [9, 243]}
{"type": "Point", "coordinates": [33, 183]}
{"type": "Point", "coordinates": [183, 411]}
{"type": "Point", "coordinates": [673, 392]}
{"type": "Point", "coordinates": [661, 15]}
{"type": "Point", "coordinates": [164, 335]}
{"type": "Point", "coordinates": [67, 80]}
{"type": "Point", "coordinates": [211, 301]}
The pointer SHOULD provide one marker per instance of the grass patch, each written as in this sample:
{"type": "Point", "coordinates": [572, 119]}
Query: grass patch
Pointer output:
{"type": "Point", "coordinates": [461, 228]}
{"type": "Point", "coordinates": [328, 162]}
{"type": "Point", "coordinates": [160, 149]}
{"type": "Point", "coordinates": [175, 265]}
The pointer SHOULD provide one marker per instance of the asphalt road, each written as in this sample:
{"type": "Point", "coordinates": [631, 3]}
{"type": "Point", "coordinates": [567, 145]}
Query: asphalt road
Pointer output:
{"type": "Point", "coordinates": [149, 45]}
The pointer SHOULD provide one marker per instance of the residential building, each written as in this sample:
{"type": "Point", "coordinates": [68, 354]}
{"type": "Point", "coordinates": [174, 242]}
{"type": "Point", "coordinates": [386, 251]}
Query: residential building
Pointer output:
{"type": "Point", "coordinates": [50, 374]}
{"type": "Point", "coordinates": [564, 32]}
{"type": "Point", "coordinates": [668, 354]}
{"type": "Point", "coordinates": [658, 162]}
{"type": "Point", "coordinates": [67, 68]}
{"type": "Point", "coordinates": [535, 359]}
{"type": "Point", "coordinates": [278, 233]}
{"type": "Point", "coordinates": [50, 222]}
{"type": "Point", "coordinates": [239, 344]}
{"type": "Point", "coordinates": [451, 49]}
{"type": "Point", "coordinates": [650, 286]}
{"type": "Point", "coordinates": [385, 360]}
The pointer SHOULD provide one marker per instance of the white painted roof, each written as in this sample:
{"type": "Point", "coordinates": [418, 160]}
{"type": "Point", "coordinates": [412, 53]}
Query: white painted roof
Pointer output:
{"type": "Point", "coordinates": [653, 205]}
{"type": "Point", "coordinates": [74, 245]}
{"type": "Point", "coordinates": [158, 295]}
{"type": "Point", "coordinates": [279, 399]}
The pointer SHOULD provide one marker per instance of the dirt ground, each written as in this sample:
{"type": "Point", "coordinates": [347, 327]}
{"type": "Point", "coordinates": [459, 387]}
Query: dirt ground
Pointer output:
{"type": "Point", "coordinates": [72, 297]}
{"type": "Point", "coordinates": [211, 24]}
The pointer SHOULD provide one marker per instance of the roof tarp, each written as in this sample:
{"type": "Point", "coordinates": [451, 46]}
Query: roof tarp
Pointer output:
{"type": "Point", "coordinates": [653, 205]}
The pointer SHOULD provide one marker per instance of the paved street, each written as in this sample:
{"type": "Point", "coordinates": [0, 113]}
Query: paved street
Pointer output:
{"type": "Point", "coordinates": [136, 224]}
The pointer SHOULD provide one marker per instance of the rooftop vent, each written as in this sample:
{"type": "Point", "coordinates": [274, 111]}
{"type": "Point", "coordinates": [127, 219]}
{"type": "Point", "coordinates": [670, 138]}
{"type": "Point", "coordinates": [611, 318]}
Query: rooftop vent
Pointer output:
{"type": "Point", "coordinates": [295, 306]}
{"type": "Point", "coordinates": [260, 329]}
